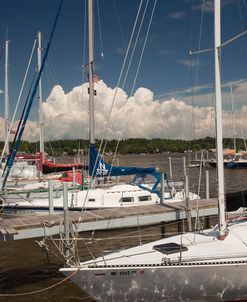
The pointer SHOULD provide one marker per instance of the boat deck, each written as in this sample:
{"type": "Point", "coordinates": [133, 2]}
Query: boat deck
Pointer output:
{"type": "Point", "coordinates": [32, 226]}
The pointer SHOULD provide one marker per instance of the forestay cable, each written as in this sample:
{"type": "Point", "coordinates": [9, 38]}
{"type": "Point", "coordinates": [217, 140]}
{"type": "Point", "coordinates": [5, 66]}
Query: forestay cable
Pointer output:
{"type": "Point", "coordinates": [136, 75]}
{"type": "Point", "coordinates": [121, 74]}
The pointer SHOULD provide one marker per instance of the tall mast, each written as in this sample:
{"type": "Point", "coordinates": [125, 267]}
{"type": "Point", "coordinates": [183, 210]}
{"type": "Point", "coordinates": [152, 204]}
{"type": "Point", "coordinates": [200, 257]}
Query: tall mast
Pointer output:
{"type": "Point", "coordinates": [90, 73]}
{"type": "Point", "coordinates": [219, 138]}
{"type": "Point", "coordinates": [41, 123]}
{"type": "Point", "coordinates": [6, 96]}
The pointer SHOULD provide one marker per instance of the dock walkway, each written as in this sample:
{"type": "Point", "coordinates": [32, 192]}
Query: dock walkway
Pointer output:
{"type": "Point", "coordinates": [33, 226]}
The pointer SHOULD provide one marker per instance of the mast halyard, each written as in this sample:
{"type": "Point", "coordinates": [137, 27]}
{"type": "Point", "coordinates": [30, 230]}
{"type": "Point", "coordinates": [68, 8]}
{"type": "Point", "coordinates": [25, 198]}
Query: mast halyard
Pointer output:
{"type": "Point", "coordinates": [90, 73]}
{"type": "Point", "coordinates": [41, 123]}
{"type": "Point", "coordinates": [219, 136]}
{"type": "Point", "coordinates": [6, 97]}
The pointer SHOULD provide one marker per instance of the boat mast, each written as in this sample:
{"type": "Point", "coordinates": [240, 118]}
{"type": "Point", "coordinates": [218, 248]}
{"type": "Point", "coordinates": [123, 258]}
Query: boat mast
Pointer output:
{"type": "Point", "coordinates": [41, 123]}
{"type": "Point", "coordinates": [219, 138]}
{"type": "Point", "coordinates": [90, 73]}
{"type": "Point", "coordinates": [6, 97]}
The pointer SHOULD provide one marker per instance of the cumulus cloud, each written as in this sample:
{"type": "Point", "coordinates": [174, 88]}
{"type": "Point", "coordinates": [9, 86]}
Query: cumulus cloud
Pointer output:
{"type": "Point", "coordinates": [66, 115]}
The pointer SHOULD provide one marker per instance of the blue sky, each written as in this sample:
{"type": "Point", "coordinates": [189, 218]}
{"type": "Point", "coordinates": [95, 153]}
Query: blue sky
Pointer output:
{"type": "Point", "coordinates": [166, 65]}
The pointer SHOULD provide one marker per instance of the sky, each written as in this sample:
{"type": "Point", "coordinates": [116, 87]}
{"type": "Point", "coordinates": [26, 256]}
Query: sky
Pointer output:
{"type": "Point", "coordinates": [171, 95]}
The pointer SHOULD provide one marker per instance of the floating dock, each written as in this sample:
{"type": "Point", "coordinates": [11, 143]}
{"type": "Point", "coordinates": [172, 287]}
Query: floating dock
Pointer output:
{"type": "Point", "coordinates": [33, 226]}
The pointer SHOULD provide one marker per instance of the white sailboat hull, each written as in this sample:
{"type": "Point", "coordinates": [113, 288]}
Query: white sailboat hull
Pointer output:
{"type": "Point", "coordinates": [188, 267]}
{"type": "Point", "coordinates": [123, 195]}
{"type": "Point", "coordinates": [193, 282]}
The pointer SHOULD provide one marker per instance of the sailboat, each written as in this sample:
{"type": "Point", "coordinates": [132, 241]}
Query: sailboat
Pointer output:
{"type": "Point", "coordinates": [24, 116]}
{"type": "Point", "coordinates": [203, 266]}
{"type": "Point", "coordinates": [25, 164]}
{"type": "Point", "coordinates": [21, 165]}
{"type": "Point", "coordinates": [30, 166]}
{"type": "Point", "coordinates": [28, 169]}
{"type": "Point", "coordinates": [134, 193]}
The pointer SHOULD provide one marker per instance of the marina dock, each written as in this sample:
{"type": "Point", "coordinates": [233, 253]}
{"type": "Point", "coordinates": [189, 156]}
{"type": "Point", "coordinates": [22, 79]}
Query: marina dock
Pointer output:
{"type": "Point", "coordinates": [33, 226]}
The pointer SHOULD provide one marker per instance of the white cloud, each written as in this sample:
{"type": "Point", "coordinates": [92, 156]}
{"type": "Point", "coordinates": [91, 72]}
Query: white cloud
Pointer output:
{"type": "Point", "coordinates": [189, 62]}
{"type": "Point", "coordinates": [177, 15]}
{"type": "Point", "coordinates": [31, 132]}
{"type": "Point", "coordinates": [66, 115]}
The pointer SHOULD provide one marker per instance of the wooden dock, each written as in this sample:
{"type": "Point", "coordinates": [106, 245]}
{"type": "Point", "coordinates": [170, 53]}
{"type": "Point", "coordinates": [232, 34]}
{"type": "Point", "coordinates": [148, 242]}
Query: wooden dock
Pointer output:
{"type": "Point", "coordinates": [33, 226]}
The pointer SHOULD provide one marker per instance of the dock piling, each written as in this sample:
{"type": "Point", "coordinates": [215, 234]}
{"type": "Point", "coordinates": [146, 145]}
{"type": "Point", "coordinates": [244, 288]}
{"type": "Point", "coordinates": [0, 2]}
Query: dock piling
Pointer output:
{"type": "Point", "coordinates": [66, 218]}
{"type": "Point", "coordinates": [73, 173]}
{"type": "Point", "coordinates": [170, 167]}
{"type": "Point", "coordinates": [187, 202]}
{"type": "Point", "coordinates": [207, 184]}
{"type": "Point", "coordinates": [50, 194]}
{"type": "Point", "coordinates": [184, 165]}
{"type": "Point", "coordinates": [162, 184]}
{"type": "Point", "coordinates": [163, 229]}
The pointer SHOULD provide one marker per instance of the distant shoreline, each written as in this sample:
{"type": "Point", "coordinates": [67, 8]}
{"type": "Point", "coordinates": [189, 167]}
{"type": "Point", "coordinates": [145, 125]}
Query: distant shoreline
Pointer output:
{"type": "Point", "coordinates": [129, 146]}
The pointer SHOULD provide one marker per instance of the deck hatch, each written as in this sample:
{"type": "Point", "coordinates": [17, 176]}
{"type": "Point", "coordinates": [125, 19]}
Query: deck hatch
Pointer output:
{"type": "Point", "coordinates": [170, 248]}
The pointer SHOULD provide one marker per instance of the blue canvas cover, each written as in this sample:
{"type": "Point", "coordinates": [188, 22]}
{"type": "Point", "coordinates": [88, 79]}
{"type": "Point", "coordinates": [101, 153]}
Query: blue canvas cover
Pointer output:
{"type": "Point", "coordinates": [99, 168]}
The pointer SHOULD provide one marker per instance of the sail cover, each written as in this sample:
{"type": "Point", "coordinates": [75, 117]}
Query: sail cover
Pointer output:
{"type": "Point", "coordinates": [99, 168]}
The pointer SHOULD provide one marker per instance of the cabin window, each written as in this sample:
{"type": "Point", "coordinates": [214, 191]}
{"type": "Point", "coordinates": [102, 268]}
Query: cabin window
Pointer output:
{"type": "Point", "coordinates": [91, 199]}
{"type": "Point", "coordinates": [127, 199]}
{"type": "Point", "coordinates": [170, 248]}
{"type": "Point", "coordinates": [144, 198]}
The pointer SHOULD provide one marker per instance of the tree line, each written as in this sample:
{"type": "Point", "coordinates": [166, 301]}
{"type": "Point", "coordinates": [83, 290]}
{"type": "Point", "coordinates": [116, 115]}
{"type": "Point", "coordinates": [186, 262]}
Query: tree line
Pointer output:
{"type": "Point", "coordinates": [128, 146]}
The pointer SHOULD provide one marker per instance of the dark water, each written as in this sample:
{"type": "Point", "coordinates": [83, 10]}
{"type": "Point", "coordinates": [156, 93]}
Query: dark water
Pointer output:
{"type": "Point", "coordinates": [23, 268]}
